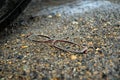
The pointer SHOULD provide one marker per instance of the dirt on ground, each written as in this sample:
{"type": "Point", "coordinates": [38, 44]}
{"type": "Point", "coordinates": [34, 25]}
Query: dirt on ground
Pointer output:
{"type": "Point", "coordinates": [94, 24]}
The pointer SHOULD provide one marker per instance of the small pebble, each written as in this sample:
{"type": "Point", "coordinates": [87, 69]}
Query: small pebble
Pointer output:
{"type": "Point", "coordinates": [90, 44]}
{"type": "Point", "coordinates": [22, 35]}
{"type": "Point", "coordinates": [24, 47]}
{"type": "Point", "coordinates": [26, 68]}
{"type": "Point", "coordinates": [24, 61]}
{"type": "Point", "coordinates": [73, 57]}
{"type": "Point", "coordinates": [74, 22]}
{"type": "Point", "coordinates": [50, 16]}
{"type": "Point", "coordinates": [45, 78]}
{"type": "Point", "coordinates": [58, 15]}
{"type": "Point", "coordinates": [95, 72]}
{"type": "Point", "coordinates": [10, 76]}
{"type": "Point", "coordinates": [33, 74]}
{"type": "Point", "coordinates": [19, 56]}
{"type": "Point", "coordinates": [9, 62]}
{"type": "Point", "coordinates": [88, 73]}
{"type": "Point", "coordinates": [55, 78]}
{"type": "Point", "coordinates": [117, 23]}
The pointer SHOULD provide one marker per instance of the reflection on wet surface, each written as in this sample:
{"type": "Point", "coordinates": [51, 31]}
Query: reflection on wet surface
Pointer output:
{"type": "Point", "coordinates": [70, 7]}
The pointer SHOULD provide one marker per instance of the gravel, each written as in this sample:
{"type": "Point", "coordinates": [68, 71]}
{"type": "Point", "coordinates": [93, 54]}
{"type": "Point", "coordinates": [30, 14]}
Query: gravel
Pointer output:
{"type": "Point", "coordinates": [99, 29]}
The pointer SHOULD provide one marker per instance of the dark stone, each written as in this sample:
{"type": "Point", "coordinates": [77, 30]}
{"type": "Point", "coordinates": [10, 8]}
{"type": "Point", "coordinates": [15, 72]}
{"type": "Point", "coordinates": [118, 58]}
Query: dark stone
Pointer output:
{"type": "Point", "coordinates": [19, 56]}
{"type": "Point", "coordinates": [24, 73]}
{"type": "Point", "coordinates": [104, 76]}
{"type": "Point", "coordinates": [1, 54]}
{"type": "Point", "coordinates": [34, 75]}
{"type": "Point", "coordinates": [1, 68]}
{"type": "Point", "coordinates": [1, 77]}
{"type": "Point", "coordinates": [9, 57]}
{"type": "Point", "coordinates": [45, 78]}
{"type": "Point", "coordinates": [100, 51]}
{"type": "Point", "coordinates": [62, 77]}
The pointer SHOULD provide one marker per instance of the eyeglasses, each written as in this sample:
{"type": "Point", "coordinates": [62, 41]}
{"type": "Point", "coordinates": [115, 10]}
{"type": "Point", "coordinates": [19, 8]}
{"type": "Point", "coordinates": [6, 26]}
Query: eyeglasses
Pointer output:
{"type": "Point", "coordinates": [63, 45]}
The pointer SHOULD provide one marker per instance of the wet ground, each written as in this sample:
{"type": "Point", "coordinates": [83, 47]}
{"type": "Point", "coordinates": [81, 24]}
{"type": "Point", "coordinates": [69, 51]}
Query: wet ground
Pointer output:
{"type": "Point", "coordinates": [93, 23]}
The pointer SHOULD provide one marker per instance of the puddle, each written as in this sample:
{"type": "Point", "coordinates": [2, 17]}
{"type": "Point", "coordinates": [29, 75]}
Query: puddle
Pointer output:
{"type": "Point", "coordinates": [74, 7]}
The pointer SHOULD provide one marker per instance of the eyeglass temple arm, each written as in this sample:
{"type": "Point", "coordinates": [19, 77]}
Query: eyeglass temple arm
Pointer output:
{"type": "Point", "coordinates": [78, 52]}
